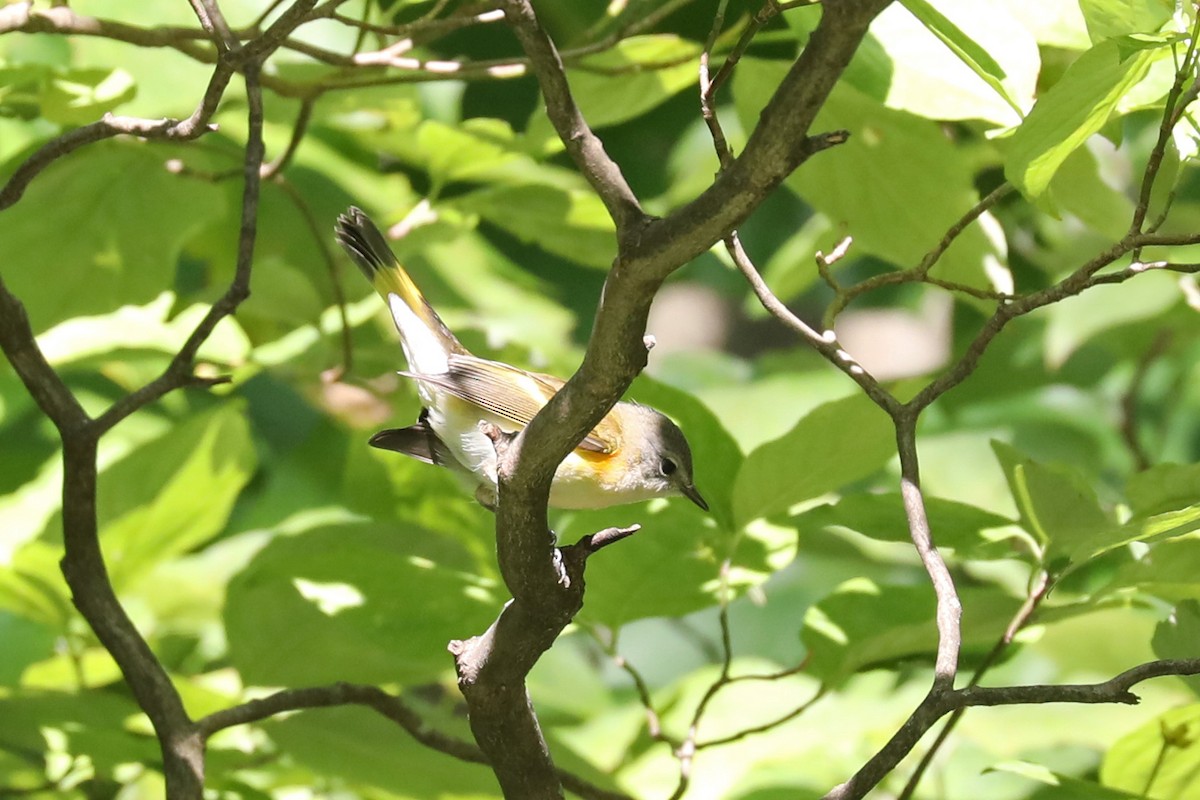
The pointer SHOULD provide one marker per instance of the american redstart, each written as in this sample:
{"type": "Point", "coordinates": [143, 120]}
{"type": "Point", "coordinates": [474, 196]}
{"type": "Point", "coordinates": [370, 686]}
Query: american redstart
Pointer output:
{"type": "Point", "coordinates": [634, 453]}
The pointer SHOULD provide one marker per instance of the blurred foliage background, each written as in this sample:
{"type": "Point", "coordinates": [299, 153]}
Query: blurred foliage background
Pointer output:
{"type": "Point", "coordinates": [258, 542]}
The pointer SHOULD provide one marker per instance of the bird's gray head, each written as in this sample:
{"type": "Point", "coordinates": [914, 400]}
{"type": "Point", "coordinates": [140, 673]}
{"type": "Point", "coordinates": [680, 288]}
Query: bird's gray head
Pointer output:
{"type": "Point", "coordinates": [664, 461]}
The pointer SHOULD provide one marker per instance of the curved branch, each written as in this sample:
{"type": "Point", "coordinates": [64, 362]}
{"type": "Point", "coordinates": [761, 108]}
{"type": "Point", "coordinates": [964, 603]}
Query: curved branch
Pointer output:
{"type": "Point", "coordinates": [41, 380]}
{"type": "Point", "coordinates": [940, 702]}
{"type": "Point", "coordinates": [777, 146]}
{"type": "Point", "coordinates": [387, 705]}
{"type": "Point", "coordinates": [583, 145]}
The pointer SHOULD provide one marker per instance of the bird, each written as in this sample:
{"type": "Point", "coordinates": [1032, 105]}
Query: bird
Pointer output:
{"type": "Point", "coordinates": [634, 453]}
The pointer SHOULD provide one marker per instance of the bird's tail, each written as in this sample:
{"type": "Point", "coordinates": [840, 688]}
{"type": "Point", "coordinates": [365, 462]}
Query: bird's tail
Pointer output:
{"type": "Point", "coordinates": [427, 341]}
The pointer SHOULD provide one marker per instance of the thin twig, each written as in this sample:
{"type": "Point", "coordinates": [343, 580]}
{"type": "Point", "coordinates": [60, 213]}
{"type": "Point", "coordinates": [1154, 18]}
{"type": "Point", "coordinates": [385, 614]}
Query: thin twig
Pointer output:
{"type": "Point", "coordinates": [317, 232]}
{"type": "Point", "coordinates": [938, 703]}
{"type": "Point", "coordinates": [766, 726]}
{"type": "Point", "coordinates": [1171, 109]}
{"type": "Point", "coordinates": [824, 343]}
{"type": "Point", "coordinates": [299, 129]}
{"type": "Point", "coordinates": [584, 147]}
{"type": "Point", "coordinates": [1129, 400]}
{"type": "Point", "coordinates": [919, 273]}
{"type": "Point", "coordinates": [179, 371]}
{"type": "Point", "coordinates": [1037, 593]}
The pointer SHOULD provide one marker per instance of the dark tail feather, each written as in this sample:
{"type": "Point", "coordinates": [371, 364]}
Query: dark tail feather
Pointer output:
{"type": "Point", "coordinates": [364, 242]}
{"type": "Point", "coordinates": [418, 441]}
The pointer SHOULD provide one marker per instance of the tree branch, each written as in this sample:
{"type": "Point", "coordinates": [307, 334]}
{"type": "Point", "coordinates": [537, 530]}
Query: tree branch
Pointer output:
{"type": "Point", "coordinates": [385, 704]}
{"type": "Point", "coordinates": [582, 144]}
{"type": "Point", "coordinates": [940, 702]}
{"type": "Point", "coordinates": [492, 667]}
{"type": "Point", "coordinates": [41, 381]}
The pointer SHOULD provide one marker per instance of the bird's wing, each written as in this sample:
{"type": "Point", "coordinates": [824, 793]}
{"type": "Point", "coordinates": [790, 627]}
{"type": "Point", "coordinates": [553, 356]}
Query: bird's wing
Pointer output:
{"type": "Point", "coordinates": [513, 394]}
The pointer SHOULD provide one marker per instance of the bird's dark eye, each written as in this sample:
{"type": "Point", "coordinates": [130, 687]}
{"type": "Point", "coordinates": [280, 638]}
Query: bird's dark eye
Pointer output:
{"type": "Point", "coordinates": [668, 466]}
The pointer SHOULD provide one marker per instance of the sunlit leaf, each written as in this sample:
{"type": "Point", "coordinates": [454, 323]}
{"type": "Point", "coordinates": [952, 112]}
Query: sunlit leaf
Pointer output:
{"type": "Point", "coordinates": [1077, 106]}
{"type": "Point", "coordinates": [572, 224]}
{"type": "Point", "coordinates": [92, 235]}
{"type": "Point", "coordinates": [1178, 637]}
{"type": "Point", "coordinates": [1056, 505]}
{"type": "Point", "coordinates": [175, 493]}
{"type": "Point", "coordinates": [957, 526]}
{"type": "Point", "coordinates": [964, 47]}
{"type": "Point", "coordinates": [1108, 18]}
{"type": "Point", "coordinates": [1163, 487]}
{"type": "Point", "coordinates": [1162, 755]}
{"type": "Point", "coordinates": [354, 602]}
{"type": "Point", "coordinates": [838, 443]}
{"type": "Point", "coordinates": [1063, 787]}
{"type": "Point", "coordinates": [864, 625]}
{"type": "Point", "coordinates": [920, 183]}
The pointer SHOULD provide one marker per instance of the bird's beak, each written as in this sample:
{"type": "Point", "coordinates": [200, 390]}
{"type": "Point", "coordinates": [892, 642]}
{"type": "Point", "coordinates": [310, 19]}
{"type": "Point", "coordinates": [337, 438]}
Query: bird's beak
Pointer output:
{"type": "Point", "coordinates": [689, 491]}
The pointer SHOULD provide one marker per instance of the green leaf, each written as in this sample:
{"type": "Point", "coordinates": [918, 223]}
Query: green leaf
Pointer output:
{"type": "Point", "coordinates": [1107, 19]}
{"type": "Point", "coordinates": [573, 224]}
{"type": "Point", "coordinates": [1056, 504]}
{"type": "Point", "coordinates": [1074, 321]}
{"type": "Point", "coordinates": [1065, 786]}
{"type": "Point", "coordinates": [668, 569]}
{"type": "Point", "coordinates": [1073, 109]}
{"type": "Point", "coordinates": [150, 327]}
{"type": "Point", "coordinates": [1162, 756]}
{"type": "Point", "coordinates": [864, 625]}
{"type": "Point", "coordinates": [502, 298]}
{"type": "Point", "coordinates": [25, 643]}
{"type": "Point", "coordinates": [348, 742]}
{"type": "Point", "coordinates": [836, 444]}
{"type": "Point", "coordinates": [175, 493]}
{"type": "Point", "coordinates": [967, 530]}
{"type": "Point", "coordinates": [1169, 570]}
{"type": "Point", "coordinates": [963, 46]}
{"type": "Point", "coordinates": [97, 233]}
{"type": "Point", "coordinates": [1078, 189]}
{"type": "Point", "coordinates": [1055, 23]}
{"type": "Point", "coordinates": [80, 96]}
{"type": "Point", "coordinates": [85, 724]}
{"type": "Point", "coordinates": [1163, 487]}
{"type": "Point", "coordinates": [1178, 636]}
{"type": "Point", "coordinates": [352, 602]}
{"type": "Point", "coordinates": [1158, 528]}
{"type": "Point", "coordinates": [470, 152]}
{"type": "Point", "coordinates": [624, 82]}
{"type": "Point", "coordinates": [920, 182]}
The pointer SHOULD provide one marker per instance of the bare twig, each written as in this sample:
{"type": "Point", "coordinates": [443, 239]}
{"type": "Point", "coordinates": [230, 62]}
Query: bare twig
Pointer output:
{"type": "Point", "coordinates": [938, 703]}
{"type": "Point", "coordinates": [316, 230]}
{"type": "Point", "coordinates": [824, 343]}
{"type": "Point", "coordinates": [1020, 619]}
{"type": "Point", "coordinates": [766, 726]}
{"type": "Point", "coordinates": [427, 25]}
{"type": "Point", "coordinates": [299, 128]}
{"type": "Point", "coordinates": [214, 23]}
{"type": "Point", "coordinates": [919, 273]}
{"type": "Point", "coordinates": [179, 371]}
{"type": "Point", "coordinates": [1129, 400]}
{"type": "Point", "coordinates": [1172, 109]}
{"type": "Point", "coordinates": [41, 381]}
{"type": "Point", "coordinates": [109, 126]}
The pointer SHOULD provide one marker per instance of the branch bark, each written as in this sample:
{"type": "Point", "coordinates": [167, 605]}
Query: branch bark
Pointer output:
{"type": "Point", "coordinates": [547, 591]}
{"type": "Point", "coordinates": [940, 702]}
